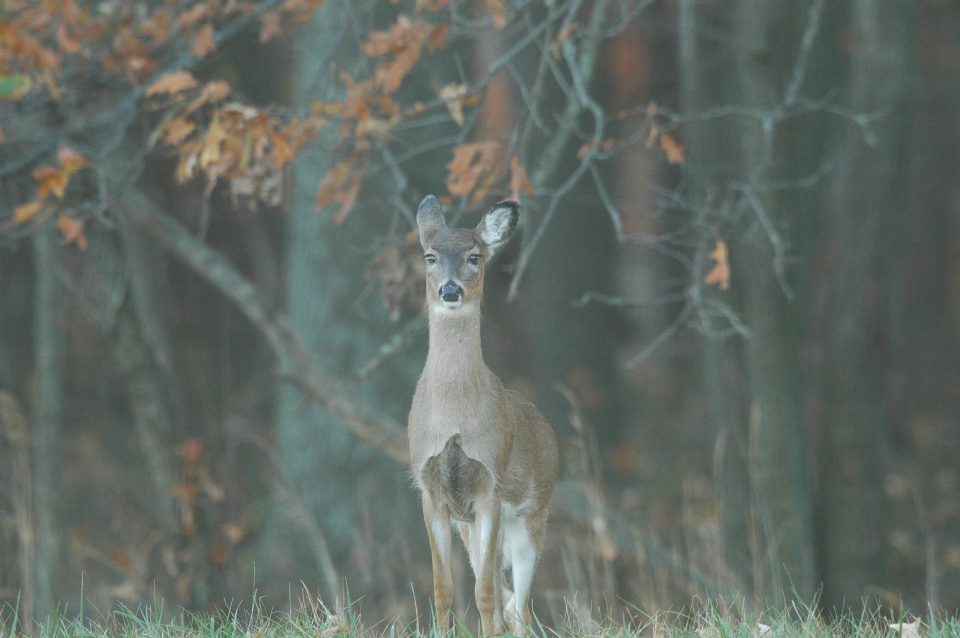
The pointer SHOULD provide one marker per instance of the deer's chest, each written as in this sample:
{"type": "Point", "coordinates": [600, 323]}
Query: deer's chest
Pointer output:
{"type": "Point", "coordinates": [438, 417]}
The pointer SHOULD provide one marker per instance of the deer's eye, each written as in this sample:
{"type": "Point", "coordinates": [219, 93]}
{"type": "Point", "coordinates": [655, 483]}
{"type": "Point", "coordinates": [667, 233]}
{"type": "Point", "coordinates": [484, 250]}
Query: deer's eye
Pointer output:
{"type": "Point", "coordinates": [474, 260]}
{"type": "Point", "coordinates": [430, 259]}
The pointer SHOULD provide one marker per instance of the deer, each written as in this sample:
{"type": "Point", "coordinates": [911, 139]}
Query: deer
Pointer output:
{"type": "Point", "coordinates": [483, 458]}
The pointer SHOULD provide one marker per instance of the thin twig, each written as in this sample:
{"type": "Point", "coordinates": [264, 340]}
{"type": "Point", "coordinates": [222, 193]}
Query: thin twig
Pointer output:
{"type": "Point", "coordinates": [293, 364]}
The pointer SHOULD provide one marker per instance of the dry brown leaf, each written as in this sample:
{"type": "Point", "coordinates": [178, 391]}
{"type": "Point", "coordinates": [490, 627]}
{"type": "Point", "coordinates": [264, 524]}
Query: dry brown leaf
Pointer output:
{"type": "Point", "coordinates": [25, 212]}
{"type": "Point", "coordinates": [430, 5]}
{"type": "Point", "coordinates": [194, 15]}
{"type": "Point", "coordinates": [177, 130]}
{"type": "Point", "coordinates": [70, 160]}
{"type": "Point", "coordinates": [341, 186]}
{"type": "Point", "coordinates": [121, 557]}
{"type": "Point", "coordinates": [210, 154]}
{"type": "Point", "coordinates": [603, 146]}
{"type": "Point", "coordinates": [173, 82]}
{"type": "Point", "coordinates": [157, 27]}
{"type": "Point", "coordinates": [474, 169]}
{"type": "Point", "coordinates": [452, 95]}
{"type": "Point", "coordinates": [403, 41]}
{"type": "Point", "coordinates": [438, 37]}
{"type": "Point", "coordinates": [216, 90]}
{"type": "Point", "coordinates": [671, 148]}
{"type": "Point", "coordinates": [282, 150]}
{"type": "Point", "coordinates": [269, 26]}
{"type": "Point", "coordinates": [499, 13]}
{"type": "Point", "coordinates": [203, 41]}
{"type": "Point", "coordinates": [69, 43]}
{"type": "Point", "coordinates": [72, 231]}
{"type": "Point", "coordinates": [562, 38]}
{"type": "Point", "coordinates": [50, 179]}
{"type": "Point", "coordinates": [212, 92]}
{"type": "Point", "coordinates": [720, 274]}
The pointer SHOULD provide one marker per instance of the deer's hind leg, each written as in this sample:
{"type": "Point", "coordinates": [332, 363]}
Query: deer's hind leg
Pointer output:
{"type": "Point", "coordinates": [473, 551]}
{"type": "Point", "coordinates": [523, 538]}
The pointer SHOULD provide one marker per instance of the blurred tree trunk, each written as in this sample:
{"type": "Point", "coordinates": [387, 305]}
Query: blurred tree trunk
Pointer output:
{"type": "Point", "coordinates": [323, 471]}
{"type": "Point", "coordinates": [861, 228]}
{"type": "Point", "coordinates": [705, 81]}
{"type": "Point", "coordinates": [770, 54]}
{"type": "Point", "coordinates": [48, 407]}
{"type": "Point", "coordinates": [109, 287]}
{"type": "Point", "coordinates": [755, 387]}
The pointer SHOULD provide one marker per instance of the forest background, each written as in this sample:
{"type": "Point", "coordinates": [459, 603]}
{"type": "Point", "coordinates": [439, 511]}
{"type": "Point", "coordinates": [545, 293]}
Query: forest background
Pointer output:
{"type": "Point", "coordinates": [735, 293]}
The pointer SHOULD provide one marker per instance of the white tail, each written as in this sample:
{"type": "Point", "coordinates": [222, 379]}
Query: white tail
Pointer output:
{"type": "Point", "coordinates": [483, 457]}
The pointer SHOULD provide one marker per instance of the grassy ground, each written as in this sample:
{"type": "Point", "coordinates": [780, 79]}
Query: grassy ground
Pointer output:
{"type": "Point", "coordinates": [314, 620]}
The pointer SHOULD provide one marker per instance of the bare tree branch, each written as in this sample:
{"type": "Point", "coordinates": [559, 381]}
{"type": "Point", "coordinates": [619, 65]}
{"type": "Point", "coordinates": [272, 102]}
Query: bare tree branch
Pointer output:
{"type": "Point", "coordinates": [292, 363]}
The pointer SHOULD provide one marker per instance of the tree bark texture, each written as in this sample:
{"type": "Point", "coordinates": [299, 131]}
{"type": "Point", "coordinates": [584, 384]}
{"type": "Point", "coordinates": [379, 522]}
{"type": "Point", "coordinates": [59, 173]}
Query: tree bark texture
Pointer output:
{"type": "Point", "coordinates": [863, 222]}
{"type": "Point", "coordinates": [705, 82]}
{"type": "Point", "coordinates": [109, 293]}
{"type": "Point", "coordinates": [48, 417]}
{"type": "Point", "coordinates": [755, 387]}
{"type": "Point", "coordinates": [325, 475]}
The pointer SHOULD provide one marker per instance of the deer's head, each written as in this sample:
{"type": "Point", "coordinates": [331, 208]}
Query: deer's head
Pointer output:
{"type": "Point", "coordinates": [455, 257]}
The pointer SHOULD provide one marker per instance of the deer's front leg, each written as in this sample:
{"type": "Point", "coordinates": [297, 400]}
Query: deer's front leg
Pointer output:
{"type": "Point", "coordinates": [437, 520]}
{"type": "Point", "coordinates": [487, 538]}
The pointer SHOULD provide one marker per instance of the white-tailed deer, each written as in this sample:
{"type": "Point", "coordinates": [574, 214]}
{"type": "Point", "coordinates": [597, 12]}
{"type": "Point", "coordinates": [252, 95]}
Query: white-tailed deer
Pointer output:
{"type": "Point", "coordinates": [483, 457]}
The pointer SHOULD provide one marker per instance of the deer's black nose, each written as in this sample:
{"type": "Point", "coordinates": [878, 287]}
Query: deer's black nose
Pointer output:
{"type": "Point", "coordinates": [451, 292]}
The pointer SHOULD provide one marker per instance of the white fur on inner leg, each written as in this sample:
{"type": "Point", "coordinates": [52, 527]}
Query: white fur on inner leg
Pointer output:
{"type": "Point", "coordinates": [523, 557]}
{"type": "Point", "coordinates": [441, 536]}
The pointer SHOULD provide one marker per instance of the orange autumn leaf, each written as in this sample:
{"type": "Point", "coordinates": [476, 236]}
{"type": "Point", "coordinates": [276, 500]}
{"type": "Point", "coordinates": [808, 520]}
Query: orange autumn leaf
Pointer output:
{"type": "Point", "coordinates": [215, 90]}
{"type": "Point", "coordinates": [453, 95]}
{"type": "Point", "coordinates": [269, 26]}
{"type": "Point", "coordinates": [72, 231]}
{"type": "Point", "coordinates": [474, 169]}
{"type": "Point", "coordinates": [49, 180]}
{"type": "Point", "coordinates": [341, 185]}
{"type": "Point", "coordinates": [177, 130]}
{"type": "Point", "coordinates": [70, 160]}
{"type": "Point", "coordinates": [282, 150]}
{"type": "Point", "coordinates": [519, 182]}
{"type": "Point", "coordinates": [203, 42]}
{"type": "Point", "coordinates": [562, 37]}
{"type": "Point", "coordinates": [720, 274]}
{"type": "Point", "coordinates": [121, 557]}
{"type": "Point", "coordinates": [212, 92]}
{"type": "Point", "coordinates": [194, 15]}
{"type": "Point", "coordinates": [430, 5]}
{"type": "Point", "coordinates": [603, 146]}
{"type": "Point", "coordinates": [671, 148]}
{"type": "Point", "coordinates": [25, 212]}
{"type": "Point", "coordinates": [402, 42]}
{"type": "Point", "coordinates": [438, 37]}
{"type": "Point", "coordinates": [173, 83]}
{"type": "Point", "coordinates": [191, 450]}
{"type": "Point", "coordinates": [499, 13]}
{"type": "Point", "coordinates": [69, 43]}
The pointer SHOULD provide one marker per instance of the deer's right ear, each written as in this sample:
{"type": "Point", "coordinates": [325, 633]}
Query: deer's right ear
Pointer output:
{"type": "Point", "coordinates": [429, 219]}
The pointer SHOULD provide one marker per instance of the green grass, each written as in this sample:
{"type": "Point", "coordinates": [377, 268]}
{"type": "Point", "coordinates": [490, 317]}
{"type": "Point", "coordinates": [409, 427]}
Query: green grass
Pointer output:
{"type": "Point", "coordinates": [314, 620]}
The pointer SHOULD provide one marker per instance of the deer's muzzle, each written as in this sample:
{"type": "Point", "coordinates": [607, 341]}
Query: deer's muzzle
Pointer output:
{"type": "Point", "coordinates": [451, 292]}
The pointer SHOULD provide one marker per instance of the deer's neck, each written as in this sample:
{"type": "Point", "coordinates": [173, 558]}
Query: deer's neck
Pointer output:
{"type": "Point", "coordinates": [454, 355]}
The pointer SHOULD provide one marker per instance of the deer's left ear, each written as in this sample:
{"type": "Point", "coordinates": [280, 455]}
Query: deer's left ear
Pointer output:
{"type": "Point", "coordinates": [498, 223]}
